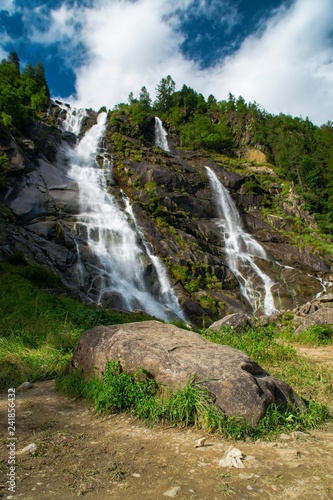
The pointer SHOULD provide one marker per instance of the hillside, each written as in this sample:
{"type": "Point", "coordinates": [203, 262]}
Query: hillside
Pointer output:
{"type": "Point", "coordinates": [182, 209]}
{"type": "Point", "coordinates": [186, 208]}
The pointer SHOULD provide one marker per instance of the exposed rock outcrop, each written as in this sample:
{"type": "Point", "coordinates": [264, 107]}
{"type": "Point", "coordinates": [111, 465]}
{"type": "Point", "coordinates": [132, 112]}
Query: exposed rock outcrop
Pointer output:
{"type": "Point", "coordinates": [238, 321]}
{"type": "Point", "coordinates": [173, 204]}
{"type": "Point", "coordinates": [317, 312]}
{"type": "Point", "coordinates": [173, 356]}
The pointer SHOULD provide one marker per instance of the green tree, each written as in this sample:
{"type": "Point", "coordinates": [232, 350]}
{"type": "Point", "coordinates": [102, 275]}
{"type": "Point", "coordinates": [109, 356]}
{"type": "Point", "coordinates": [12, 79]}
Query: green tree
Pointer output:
{"type": "Point", "coordinates": [144, 98]}
{"type": "Point", "coordinates": [164, 94]}
{"type": "Point", "coordinates": [23, 94]}
{"type": "Point", "coordinates": [13, 58]}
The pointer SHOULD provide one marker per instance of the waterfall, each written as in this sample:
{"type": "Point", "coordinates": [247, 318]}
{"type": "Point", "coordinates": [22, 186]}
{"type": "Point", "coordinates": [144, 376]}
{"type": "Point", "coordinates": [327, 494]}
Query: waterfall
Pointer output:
{"type": "Point", "coordinates": [114, 263]}
{"type": "Point", "coordinates": [73, 120]}
{"type": "Point", "coordinates": [242, 251]}
{"type": "Point", "coordinates": [166, 293]}
{"type": "Point", "coordinates": [160, 135]}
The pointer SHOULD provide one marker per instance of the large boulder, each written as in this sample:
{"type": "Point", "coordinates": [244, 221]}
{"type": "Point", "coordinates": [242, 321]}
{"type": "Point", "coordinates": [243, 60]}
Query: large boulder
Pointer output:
{"type": "Point", "coordinates": [173, 356]}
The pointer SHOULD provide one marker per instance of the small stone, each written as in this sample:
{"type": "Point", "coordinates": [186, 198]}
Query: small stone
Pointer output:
{"type": "Point", "coordinates": [232, 458]}
{"type": "Point", "coordinates": [200, 442]}
{"type": "Point", "coordinates": [31, 448]}
{"type": "Point", "coordinates": [173, 492]}
{"type": "Point", "coordinates": [245, 476]}
{"type": "Point", "coordinates": [25, 386]}
{"type": "Point", "coordinates": [299, 435]}
{"type": "Point", "coordinates": [285, 437]}
{"type": "Point", "coordinates": [136, 474]}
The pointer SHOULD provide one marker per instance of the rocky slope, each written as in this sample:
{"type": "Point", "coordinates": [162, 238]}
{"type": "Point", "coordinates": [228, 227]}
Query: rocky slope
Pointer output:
{"type": "Point", "coordinates": [173, 203]}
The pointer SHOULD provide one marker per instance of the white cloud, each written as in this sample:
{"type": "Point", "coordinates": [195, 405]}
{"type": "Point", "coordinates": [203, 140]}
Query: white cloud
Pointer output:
{"type": "Point", "coordinates": [8, 5]}
{"type": "Point", "coordinates": [62, 21]}
{"type": "Point", "coordinates": [128, 46]}
{"type": "Point", "coordinates": [287, 67]}
{"type": "Point", "coordinates": [131, 44]}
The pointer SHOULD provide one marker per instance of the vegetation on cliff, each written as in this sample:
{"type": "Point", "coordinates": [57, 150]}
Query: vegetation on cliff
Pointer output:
{"type": "Point", "coordinates": [22, 94]}
{"type": "Point", "coordinates": [298, 150]}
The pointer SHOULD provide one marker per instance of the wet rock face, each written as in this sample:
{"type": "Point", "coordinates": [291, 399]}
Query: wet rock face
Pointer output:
{"type": "Point", "coordinates": [172, 356]}
{"type": "Point", "coordinates": [173, 204]}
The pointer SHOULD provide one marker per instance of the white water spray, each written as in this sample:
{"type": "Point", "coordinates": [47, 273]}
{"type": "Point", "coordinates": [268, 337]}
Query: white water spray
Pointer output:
{"type": "Point", "coordinates": [166, 293]}
{"type": "Point", "coordinates": [117, 264]}
{"type": "Point", "coordinates": [161, 135]}
{"type": "Point", "coordinates": [242, 250]}
{"type": "Point", "coordinates": [73, 120]}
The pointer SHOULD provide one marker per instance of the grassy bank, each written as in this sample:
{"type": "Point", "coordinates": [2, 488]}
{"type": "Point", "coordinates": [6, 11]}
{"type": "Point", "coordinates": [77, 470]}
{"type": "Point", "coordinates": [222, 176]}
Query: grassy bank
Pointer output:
{"type": "Point", "coordinates": [274, 349]}
{"type": "Point", "coordinates": [40, 325]}
{"type": "Point", "coordinates": [269, 346]}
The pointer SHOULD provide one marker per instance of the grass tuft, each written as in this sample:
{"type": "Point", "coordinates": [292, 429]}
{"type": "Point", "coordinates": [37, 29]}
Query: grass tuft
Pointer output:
{"type": "Point", "coordinates": [193, 405]}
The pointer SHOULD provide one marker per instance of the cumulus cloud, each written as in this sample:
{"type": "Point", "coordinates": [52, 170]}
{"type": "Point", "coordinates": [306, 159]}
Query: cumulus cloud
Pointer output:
{"type": "Point", "coordinates": [8, 5]}
{"type": "Point", "coordinates": [287, 67]}
{"type": "Point", "coordinates": [131, 44]}
{"type": "Point", "coordinates": [62, 25]}
{"type": "Point", "coordinates": [115, 47]}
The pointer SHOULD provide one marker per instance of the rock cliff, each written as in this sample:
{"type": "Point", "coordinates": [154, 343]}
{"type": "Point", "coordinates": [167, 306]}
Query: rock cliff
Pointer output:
{"type": "Point", "coordinates": [173, 204]}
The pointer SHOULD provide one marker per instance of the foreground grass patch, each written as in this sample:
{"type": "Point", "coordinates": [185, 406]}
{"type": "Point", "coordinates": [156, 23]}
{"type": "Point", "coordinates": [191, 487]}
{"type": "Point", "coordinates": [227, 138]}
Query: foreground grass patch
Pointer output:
{"type": "Point", "coordinates": [267, 346]}
{"type": "Point", "coordinates": [39, 328]}
{"type": "Point", "coordinates": [316, 335]}
{"type": "Point", "coordinates": [144, 398]}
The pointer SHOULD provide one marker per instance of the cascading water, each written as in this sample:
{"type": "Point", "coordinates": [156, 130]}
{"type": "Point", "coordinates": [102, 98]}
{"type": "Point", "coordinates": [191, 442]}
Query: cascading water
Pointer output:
{"type": "Point", "coordinates": [160, 135]}
{"type": "Point", "coordinates": [114, 266]}
{"type": "Point", "coordinates": [166, 293]}
{"type": "Point", "coordinates": [73, 120]}
{"type": "Point", "coordinates": [242, 250]}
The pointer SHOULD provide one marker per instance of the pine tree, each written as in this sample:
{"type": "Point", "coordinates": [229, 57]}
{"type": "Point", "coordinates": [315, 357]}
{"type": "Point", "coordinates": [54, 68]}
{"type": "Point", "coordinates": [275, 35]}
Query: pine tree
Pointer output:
{"type": "Point", "coordinates": [164, 93]}
{"type": "Point", "coordinates": [13, 58]}
{"type": "Point", "coordinates": [144, 98]}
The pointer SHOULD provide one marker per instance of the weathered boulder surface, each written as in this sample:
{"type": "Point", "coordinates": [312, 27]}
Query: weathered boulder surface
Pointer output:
{"type": "Point", "coordinates": [317, 312]}
{"type": "Point", "coordinates": [236, 320]}
{"type": "Point", "coordinates": [172, 356]}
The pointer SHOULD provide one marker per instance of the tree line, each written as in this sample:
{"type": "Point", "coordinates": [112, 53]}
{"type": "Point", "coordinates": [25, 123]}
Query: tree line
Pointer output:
{"type": "Point", "coordinates": [301, 151]}
{"type": "Point", "coordinates": [22, 94]}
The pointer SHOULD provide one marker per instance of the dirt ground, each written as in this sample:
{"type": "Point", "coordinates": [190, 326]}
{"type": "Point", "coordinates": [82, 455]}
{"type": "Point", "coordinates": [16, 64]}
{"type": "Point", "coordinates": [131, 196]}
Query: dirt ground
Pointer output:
{"type": "Point", "coordinates": [81, 454]}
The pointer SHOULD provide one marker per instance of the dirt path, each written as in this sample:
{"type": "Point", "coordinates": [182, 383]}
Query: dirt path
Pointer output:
{"type": "Point", "coordinates": [79, 453]}
{"type": "Point", "coordinates": [322, 354]}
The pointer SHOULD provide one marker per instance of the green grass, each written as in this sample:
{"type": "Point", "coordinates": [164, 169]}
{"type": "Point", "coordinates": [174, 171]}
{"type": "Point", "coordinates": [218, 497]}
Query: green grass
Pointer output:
{"type": "Point", "coordinates": [144, 398]}
{"type": "Point", "coordinates": [271, 348]}
{"type": "Point", "coordinates": [39, 330]}
{"type": "Point", "coordinates": [316, 335]}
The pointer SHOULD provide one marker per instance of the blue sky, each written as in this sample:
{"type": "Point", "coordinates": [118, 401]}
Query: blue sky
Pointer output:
{"type": "Point", "coordinates": [278, 53]}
